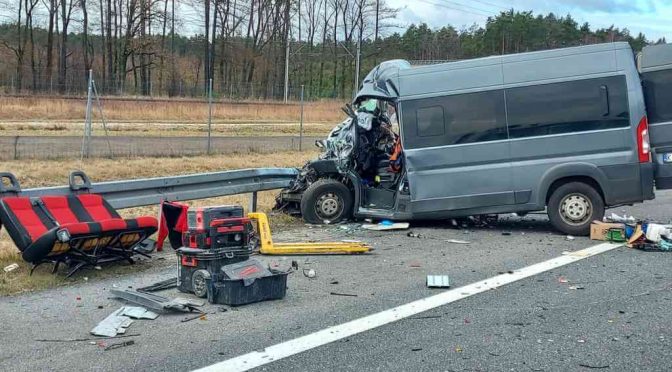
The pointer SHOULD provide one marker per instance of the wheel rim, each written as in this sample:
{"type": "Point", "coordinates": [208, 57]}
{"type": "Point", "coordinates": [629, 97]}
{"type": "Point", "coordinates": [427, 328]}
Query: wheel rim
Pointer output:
{"type": "Point", "coordinates": [328, 205]}
{"type": "Point", "coordinates": [575, 209]}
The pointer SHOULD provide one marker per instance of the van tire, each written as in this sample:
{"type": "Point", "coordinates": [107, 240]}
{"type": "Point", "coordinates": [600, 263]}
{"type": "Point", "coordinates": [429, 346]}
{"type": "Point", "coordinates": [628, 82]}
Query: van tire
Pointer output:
{"type": "Point", "coordinates": [573, 207]}
{"type": "Point", "coordinates": [326, 201]}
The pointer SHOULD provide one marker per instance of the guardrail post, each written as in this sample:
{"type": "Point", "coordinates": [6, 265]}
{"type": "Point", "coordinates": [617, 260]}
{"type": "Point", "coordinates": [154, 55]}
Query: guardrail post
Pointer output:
{"type": "Point", "coordinates": [253, 202]}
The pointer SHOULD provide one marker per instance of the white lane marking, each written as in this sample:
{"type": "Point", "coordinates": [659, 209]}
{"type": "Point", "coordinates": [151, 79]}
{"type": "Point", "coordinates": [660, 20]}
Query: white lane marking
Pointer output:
{"type": "Point", "coordinates": [335, 333]}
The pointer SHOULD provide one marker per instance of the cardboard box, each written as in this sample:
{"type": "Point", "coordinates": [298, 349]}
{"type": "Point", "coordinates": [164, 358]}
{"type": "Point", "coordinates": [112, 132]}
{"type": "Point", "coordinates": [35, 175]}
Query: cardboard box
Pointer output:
{"type": "Point", "coordinates": [599, 229]}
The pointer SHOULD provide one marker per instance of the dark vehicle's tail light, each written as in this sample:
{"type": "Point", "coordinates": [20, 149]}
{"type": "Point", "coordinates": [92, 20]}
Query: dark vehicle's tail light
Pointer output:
{"type": "Point", "coordinates": [643, 143]}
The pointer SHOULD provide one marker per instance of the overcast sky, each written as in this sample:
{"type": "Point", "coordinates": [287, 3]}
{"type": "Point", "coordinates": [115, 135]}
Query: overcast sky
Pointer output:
{"type": "Point", "coordinates": [652, 17]}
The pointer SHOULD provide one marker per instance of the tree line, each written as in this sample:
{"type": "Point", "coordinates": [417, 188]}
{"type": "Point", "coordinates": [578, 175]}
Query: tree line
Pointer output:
{"type": "Point", "coordinates": [177, 47]}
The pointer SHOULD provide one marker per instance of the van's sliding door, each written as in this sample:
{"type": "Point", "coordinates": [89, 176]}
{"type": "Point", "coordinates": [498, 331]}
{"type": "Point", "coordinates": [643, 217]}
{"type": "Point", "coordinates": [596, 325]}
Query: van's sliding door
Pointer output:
{"type": "Point", "coordinates": [457, 152]}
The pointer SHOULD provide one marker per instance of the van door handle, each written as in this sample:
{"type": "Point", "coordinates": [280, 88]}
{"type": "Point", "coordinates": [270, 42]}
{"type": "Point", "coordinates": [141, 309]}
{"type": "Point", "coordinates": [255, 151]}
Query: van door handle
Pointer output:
{"type": "Point", "coordinates": [604, 95]}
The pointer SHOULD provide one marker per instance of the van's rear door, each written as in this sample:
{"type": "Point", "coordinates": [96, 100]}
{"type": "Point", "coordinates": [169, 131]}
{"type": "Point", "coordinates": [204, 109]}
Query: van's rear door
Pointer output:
{"type": "Point", "coordinates": [656, 72]}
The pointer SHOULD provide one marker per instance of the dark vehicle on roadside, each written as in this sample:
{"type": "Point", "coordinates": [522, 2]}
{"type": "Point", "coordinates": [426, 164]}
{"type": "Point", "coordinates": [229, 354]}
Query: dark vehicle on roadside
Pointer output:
{"type": "Point", "coordinates": [567, 131]}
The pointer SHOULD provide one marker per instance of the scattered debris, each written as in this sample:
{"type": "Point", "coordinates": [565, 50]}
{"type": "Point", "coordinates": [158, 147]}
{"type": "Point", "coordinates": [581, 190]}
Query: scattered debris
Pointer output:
{"type": "Point", "coordinates": [575, 287]}
{"type": "Point", "coordinates": [119, 345]}
{"type": "Point", "coordinates": [115, 323]}
{"type": "Point", "coordinates": [160, 286]}
{"type": "Point", "coordinates": [607, 231]}
{"type": "Point", "coordinates": [201, 316]}
{"type": "Point", "coordinates": [343, 294]}
{"type": "Point", "coordinates": [570, 238]}
{"type": "Point", "coordinates": [562, 280]}
{"type": "Point", "coordinates": [416, 349]}
{"type": "Point", "coordinates": [621, 219]}
{"type": "Point", "coordinates": [594, 367]}
{"type": "Point", "coordinates": [386, 225]}
{"type": "Point", "coordinates": [10, 268]}
{"type": "Point", "coordinates": [426, 317]}
{"type": "Point", "coordinates": [90, 339]}
{"type": "Point", "coordinates": [334, 282]}
{"type": "Point", "coordinates": [137, 312]}
{"type": "Point", "coordinates": [456, 241]}
{"type": "Point", "coordinates": [655, 232]}
{"type": "Point", "coordinates": [506, 233]}
{"type": "Point", "coordinates": [309, 273]}
{"type": "Point", "coordinates": [295, 265]}
{"type": "Point", "coordinates": [411, 234]}
{"type": "Point", "coordinates": [438, 281]}
{"type": "Point", "coordinates": [158, 303]}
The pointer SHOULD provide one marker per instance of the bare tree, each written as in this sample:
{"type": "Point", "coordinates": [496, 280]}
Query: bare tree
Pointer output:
{"type": "Point", "coordinates": [67, 7]}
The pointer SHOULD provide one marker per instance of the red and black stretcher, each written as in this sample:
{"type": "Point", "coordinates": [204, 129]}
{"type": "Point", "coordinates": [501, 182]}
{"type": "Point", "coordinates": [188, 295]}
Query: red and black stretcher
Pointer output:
{"type": "Point", "coordinates": [80, 230]}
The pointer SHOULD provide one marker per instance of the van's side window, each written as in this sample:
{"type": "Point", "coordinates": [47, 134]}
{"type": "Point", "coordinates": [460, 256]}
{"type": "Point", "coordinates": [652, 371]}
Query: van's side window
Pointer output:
{"type": "Point", "coordinates": [566, 107]}
{"type": "Point", "coordinates": [454, 119]}
{"type": "Point", "coordinates": [658, 95]}
{"type": "Point", "coordinates": [430, 121]}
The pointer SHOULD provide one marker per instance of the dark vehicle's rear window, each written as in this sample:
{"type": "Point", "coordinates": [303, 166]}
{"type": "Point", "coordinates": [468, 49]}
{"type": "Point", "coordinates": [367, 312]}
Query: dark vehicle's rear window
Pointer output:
{"type": "Point", "coordinates": [658, 95]}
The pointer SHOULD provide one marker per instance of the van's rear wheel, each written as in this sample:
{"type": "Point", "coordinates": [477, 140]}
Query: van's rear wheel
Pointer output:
{"type": "Point", "coordinates": [573, 207]}
{"type": "Point", "coordinates": [326, 201]}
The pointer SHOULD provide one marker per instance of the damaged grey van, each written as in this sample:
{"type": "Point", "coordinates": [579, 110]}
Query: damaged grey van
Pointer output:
{"type": "Point", "coordinates": [563, 130]}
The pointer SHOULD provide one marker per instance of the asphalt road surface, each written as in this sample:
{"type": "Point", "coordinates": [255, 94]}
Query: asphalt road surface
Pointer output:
{"type": "Point", "coordinates": [607, 312]}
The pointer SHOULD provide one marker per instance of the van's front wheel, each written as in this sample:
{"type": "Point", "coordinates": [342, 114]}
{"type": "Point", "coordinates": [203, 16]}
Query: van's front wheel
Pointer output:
{"type": "Point", "coordinates": [573, 207]}
{"type": "Point", "coordinates": [326, 201]}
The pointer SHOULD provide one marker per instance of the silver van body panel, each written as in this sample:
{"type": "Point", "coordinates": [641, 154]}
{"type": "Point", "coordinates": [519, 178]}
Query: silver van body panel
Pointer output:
{"type": "Point", "coordinates": [515, 174]}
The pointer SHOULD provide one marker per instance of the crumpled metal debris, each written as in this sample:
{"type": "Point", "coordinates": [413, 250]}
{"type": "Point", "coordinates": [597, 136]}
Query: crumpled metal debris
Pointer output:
{"type": "Point", "coordinates": [158, 303]}
{"type": "Point", "coordinates": [117, 322]}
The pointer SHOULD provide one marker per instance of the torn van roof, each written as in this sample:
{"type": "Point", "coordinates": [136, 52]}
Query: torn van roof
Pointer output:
{"type": "Point", "coordinates": [382, 81]}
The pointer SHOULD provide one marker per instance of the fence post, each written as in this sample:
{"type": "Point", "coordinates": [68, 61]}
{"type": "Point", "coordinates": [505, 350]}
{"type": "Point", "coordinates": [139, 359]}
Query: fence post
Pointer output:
{"type": "Point", "coordinates": [209, 115]}
{"type": "Point", "coordinates": [301, 123]}
{"type": "Point", "coordinates": [16, 148]}
{"type": "Point", "coordinates": [86, 141]}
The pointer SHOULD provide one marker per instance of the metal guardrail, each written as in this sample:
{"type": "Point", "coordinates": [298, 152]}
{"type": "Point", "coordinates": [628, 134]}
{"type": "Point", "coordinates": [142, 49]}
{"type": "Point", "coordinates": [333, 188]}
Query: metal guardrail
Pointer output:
{"type": "Point", "coordinates": [150, 191]}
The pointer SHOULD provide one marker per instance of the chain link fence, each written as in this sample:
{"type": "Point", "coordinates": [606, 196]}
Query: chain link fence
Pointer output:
{"type": "Point", "coordinates": [58, 147]}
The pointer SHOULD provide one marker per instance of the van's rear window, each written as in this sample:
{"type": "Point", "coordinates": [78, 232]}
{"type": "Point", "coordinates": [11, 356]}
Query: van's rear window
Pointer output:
{"type": "Point", "coordinates": [566, 107]}
{"type": "Point", "coordinates": [658, 95]}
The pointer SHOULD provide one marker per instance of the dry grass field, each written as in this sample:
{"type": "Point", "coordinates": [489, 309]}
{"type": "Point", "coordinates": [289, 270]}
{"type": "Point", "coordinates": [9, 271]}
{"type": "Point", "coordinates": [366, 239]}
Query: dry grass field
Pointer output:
{"type": "Point", "coordinates": [128, 117]}
{"type": "Point", "coordinates": [175, 110]}
{"type": "Point", "coordinates": [55, 172]}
